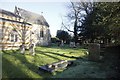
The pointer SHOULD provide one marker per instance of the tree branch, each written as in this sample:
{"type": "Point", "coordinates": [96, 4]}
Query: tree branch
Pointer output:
{"type": "Point", "coordinates": [67, 28]}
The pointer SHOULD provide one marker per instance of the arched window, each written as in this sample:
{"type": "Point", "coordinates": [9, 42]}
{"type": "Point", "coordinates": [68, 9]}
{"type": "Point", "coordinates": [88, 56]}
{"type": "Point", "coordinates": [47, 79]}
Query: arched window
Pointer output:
{"type": "Point", "coordinates": [13, 36]}
{"type": "Point", "coordinates": [41, 32]}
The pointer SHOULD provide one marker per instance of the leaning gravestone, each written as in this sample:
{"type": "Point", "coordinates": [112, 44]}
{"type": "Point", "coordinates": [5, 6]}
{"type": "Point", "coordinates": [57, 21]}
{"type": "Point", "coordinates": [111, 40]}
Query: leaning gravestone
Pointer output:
{"type": "Point", "coordinates": [94, 51]}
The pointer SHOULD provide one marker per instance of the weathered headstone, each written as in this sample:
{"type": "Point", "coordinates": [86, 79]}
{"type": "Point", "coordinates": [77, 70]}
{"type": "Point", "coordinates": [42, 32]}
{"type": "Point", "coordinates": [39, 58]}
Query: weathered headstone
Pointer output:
{"type": "Point", "coordinates": [32, 49]}
{"type": "Point", "coordinates": [94, 51]}
{"type": "Point", "coordinates": [77, 44]}
{"type": "Point", "coordinates": [58, 43]}
{"type": "Point", "coordinates": [62, 43]}
{"type": "Point", "coordinates": [22, 49]}
{"type": "Point", "coordinates": [72, 44]}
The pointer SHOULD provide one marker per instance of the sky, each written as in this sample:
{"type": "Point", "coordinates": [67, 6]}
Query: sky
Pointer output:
{"type": "Point", "coordinates": [52, 11]}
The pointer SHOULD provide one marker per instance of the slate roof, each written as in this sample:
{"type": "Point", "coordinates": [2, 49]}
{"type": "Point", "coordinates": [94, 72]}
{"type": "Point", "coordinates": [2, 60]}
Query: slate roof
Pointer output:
{"type": "Point", "coordinates": [3, 19]}
{"type": "Point", "coordinates": [9, 13]}
{"type": "Point", "coordinates": [31, 17]}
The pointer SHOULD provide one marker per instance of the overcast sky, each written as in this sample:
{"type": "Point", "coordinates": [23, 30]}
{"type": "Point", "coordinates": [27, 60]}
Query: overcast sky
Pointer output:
{"type": "Point", "coordinates": [52, 11]}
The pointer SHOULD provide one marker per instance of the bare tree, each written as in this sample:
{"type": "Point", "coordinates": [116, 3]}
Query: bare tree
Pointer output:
{"type": "Point", "coordinates": [76, 16]}
{"type": "Point", "coordinates": [24, 29]}
{"type": "Point", "coordinates": [23, 32]}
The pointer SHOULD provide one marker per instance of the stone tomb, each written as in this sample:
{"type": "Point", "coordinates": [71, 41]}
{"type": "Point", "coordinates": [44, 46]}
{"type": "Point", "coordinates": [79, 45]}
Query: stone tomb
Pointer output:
{"type": "Point", "coordinates": [55, 66]}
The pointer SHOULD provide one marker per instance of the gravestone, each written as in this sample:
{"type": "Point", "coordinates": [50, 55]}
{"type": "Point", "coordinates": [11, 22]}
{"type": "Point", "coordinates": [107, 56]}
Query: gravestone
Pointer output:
{"type": "Point", "coordinates": [22, 49]}
{"type": "Point", "coordinates": [62, 43]}
{"type": "Point", "coordinates": [77, 44]}
{"type": "Point", "coordinates": [72, 44]}
{"type": "Point", "coordinates": [32, 49]}
{"type": "Point", "coordinates": [94, 51]}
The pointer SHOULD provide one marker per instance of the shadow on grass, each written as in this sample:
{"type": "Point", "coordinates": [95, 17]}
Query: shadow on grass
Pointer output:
{"type": "Point", "coordinates": [34, 68]}
{"type": "Point", "coordinates": [62, 47]}
{"type": "Point", "coordinates": [8, 70]}
{"type": "Point", "coordinates": [43, 52]}
{"type": "Point", "coordinates": [31, 66]}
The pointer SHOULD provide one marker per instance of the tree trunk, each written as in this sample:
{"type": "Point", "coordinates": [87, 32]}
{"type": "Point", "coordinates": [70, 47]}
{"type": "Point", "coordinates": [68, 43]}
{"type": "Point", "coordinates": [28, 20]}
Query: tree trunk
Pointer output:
{"type": "Point", "coordinates": [75, 32]}
{"type": "Point", "coordinates": [23, 46]}
{"type": "Point", "coordinates": [22, 49]}
{"type": "Point", "coordinates": [23, 39]}
{"type": "Point", "coordinates": [92, 40]}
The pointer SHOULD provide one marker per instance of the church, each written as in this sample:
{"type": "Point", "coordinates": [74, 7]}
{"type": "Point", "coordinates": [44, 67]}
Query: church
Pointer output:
{"type": "Point", "coordinates": [23, 26]}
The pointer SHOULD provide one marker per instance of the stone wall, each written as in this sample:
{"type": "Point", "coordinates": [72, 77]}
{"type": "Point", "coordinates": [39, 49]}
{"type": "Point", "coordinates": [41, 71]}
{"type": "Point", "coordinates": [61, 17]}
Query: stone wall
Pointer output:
{"type": "Point", "coordinates": [10, 26]}
{"type": "Point", "coordinates": [46, 39]}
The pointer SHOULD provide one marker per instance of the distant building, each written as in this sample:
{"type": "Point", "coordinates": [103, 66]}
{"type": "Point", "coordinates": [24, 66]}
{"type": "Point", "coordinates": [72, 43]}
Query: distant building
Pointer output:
{"type": "Point", "coordinates": [14, 27]}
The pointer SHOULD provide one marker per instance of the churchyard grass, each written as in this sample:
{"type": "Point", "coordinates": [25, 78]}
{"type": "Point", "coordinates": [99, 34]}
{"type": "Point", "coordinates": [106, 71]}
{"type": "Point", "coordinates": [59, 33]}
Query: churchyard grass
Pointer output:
{"type": "Point", "coordinates": [16, 65]}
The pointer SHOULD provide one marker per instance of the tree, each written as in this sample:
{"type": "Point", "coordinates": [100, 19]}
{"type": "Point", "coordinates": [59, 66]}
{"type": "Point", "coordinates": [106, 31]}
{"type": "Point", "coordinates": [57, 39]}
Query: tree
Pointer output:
{"type": "Point", "coordinates": [109, 14]}
{"type": "Point", "coordinates": [90, 29]}
{"type": "Point", "coordinates": [24, 32]}
{"type": "Point", "coordinates": [63, 36]}
{"type": "Point", "coordinates": [95, 21]}
{"type": "Point", "coordinates": [76, 15]}
{"type": "Point", "coordinates": [54, 40]}
{"type": "Point", "coordinates": [103, 22]}
{"type": "Point", "coordinates": [99, 21]}
{"type": "Point", "coordinates": [23, 36]}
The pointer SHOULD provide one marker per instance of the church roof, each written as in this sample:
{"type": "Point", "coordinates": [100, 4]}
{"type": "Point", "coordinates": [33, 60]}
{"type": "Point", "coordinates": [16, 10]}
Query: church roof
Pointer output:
{"type": "Point", "coordinates": [3, 19]}
{"type": "Point", "coordinates": [9, 13]}
{"type": "Point", "coordinates": [31, 17]}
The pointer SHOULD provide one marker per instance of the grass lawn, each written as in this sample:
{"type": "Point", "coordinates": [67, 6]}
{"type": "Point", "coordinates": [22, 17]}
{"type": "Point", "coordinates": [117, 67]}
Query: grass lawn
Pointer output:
{"type": "Point", "coordinates": [16, 65]}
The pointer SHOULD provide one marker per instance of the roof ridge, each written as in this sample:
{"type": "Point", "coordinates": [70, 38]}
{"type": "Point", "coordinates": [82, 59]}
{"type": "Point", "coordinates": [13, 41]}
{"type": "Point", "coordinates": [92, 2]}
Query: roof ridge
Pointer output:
{"type": "Point", "coordinates": [29, 11]}
{"type": "Point", "coordinates": [9, 13]}
{"type": "Point", "coordinates": [31, 16]}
